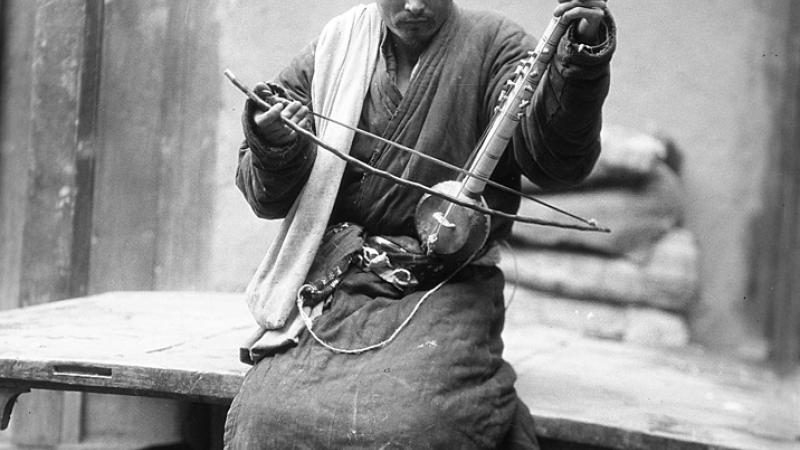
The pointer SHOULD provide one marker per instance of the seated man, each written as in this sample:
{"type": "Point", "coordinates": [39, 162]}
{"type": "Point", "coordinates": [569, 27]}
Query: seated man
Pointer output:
{"type": "Point", "coordinates": [406, 349]}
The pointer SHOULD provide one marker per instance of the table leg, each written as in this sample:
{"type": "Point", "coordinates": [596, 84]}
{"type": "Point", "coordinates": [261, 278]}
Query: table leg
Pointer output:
{"type": "Point", "coordinates": [8, 396]}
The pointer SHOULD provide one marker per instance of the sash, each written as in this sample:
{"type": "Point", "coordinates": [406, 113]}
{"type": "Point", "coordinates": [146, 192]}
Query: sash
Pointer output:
{"type": "Point", "coordinates": [345, 58]}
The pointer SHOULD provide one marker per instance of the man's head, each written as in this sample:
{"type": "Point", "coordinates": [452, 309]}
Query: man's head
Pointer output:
{"type": "Point", "coordinates": [414, 22]}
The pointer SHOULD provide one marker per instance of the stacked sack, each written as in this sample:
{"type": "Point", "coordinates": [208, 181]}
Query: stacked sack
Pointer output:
{"type": "Point", "coordinates": [635, 284]}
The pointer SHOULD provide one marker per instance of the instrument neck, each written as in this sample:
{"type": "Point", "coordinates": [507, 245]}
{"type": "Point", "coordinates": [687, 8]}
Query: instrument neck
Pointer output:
{"type": "Point", "coordinates": [513, 102]}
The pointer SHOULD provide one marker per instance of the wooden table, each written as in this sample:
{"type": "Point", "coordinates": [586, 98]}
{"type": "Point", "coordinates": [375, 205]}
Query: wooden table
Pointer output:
{"type": "Point", "coordinates": [597, 393]}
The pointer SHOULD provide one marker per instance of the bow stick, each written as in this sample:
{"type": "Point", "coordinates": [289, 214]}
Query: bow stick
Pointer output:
{"type": "Point", "coordinates": [590, 224]}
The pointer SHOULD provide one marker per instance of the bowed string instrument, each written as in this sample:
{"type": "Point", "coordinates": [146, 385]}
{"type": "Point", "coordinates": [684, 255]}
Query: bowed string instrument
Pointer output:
{"type": "Point", "coordinates": [452, 219]}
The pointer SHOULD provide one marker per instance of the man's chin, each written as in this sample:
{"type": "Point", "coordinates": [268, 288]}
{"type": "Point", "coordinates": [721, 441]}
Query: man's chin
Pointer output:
{"type": "Point", "coordinates": [415, 40]}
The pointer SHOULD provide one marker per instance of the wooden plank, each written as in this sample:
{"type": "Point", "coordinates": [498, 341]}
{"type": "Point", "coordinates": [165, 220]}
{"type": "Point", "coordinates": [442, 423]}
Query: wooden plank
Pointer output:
{"type": "Point", "coordinates": [125, 214]}
{"type": "Point", "coordinates": [15, 88]}
{"type": "Point", "coordinates": [776, 249]}
{"type": "Point", "coordinates": [625, 396]}
{"type": "Point", "coordinates": [87, 147]}
{"type": "Point", "coordinates": [47, 241]}
{"type": "Point", "coordinates": [786, 333]}
{"type": "Point", "coordinates": [579, 390]}
{"type": "Point", "coordinates": [155, 176]}
{"type": "Point", "coordinates": [187, 144]}
{"type": "Point", "coordinates": [120, 378]}
{"type": "Point", "coordinates": [103, 344]}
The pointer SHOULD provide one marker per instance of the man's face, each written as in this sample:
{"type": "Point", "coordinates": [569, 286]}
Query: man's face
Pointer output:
{"type": "Point", "coordinates": [414, 22]}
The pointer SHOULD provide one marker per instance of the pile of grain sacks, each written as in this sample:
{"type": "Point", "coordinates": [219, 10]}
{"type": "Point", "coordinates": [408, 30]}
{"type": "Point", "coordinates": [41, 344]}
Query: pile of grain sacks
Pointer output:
{"type": "Point", "coordinates": [635, 284]}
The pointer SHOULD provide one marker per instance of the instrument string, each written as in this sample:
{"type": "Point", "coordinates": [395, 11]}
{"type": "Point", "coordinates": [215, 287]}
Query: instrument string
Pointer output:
{"type": "Point", "coordinates": [460, 170]}
{"type": "Point", "coordinates": [591, 224]}
{"type": "Point", "coordinates": [355, 351]}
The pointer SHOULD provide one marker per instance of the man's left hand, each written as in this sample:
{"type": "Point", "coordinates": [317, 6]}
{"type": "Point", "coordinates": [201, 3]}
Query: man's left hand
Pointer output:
{"type": "Point", "coordinates": [589, 13]}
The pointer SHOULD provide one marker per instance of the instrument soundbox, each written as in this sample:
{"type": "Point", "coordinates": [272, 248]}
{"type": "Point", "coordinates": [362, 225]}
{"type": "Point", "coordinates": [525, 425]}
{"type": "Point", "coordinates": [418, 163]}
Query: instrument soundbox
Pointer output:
{"type": "Point", "coordinates": [456, 233]}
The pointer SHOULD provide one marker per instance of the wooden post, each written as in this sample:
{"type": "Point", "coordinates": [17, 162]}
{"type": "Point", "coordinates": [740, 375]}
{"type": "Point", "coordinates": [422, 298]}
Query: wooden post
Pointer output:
{"type": "Point", "coordinates": [15, 88]}
{"type": "Point", "coordinates": [786, 302]}
{"type": "Point", "coordinates": [63, 111]}
{"type": "Point", "coordinates": [64, 86]}
{"type": "Point", "coordinates": [775, 283]}
{"type": "Point", "coordinates": [87, 148]}
{"type": "Point", "coordinates": [187, 143]}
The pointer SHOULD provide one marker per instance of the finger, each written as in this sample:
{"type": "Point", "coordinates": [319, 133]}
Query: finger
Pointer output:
{"type": "Point", "coordinates": [271, 126]}
{"type": "Point", "coordinates": [566, 5]}
{"type": "Point", "coordinates": [591, 14]}
{"type": "Point", "coordinates": [291, 109]}
{"type": "Point", "coordinates": [305, 124]}
{"type": "Point", "coordinates": [270, 116]}
{"type": "Point", "coordinates": [301, 114]}
{"type": "Point", "coordinates": [582, 2]}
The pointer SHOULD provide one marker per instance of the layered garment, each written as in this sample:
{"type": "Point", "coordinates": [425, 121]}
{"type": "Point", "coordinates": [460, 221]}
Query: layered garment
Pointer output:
{"type": "Point", "coordinates": [442, 382]}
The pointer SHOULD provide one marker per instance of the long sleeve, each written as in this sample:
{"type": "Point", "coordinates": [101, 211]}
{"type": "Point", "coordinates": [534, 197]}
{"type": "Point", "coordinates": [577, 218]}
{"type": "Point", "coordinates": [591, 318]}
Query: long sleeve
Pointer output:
{"type": "Point", "coordinates": [270, 178]}
{"type": "Point", "coordinates": [558, 141]}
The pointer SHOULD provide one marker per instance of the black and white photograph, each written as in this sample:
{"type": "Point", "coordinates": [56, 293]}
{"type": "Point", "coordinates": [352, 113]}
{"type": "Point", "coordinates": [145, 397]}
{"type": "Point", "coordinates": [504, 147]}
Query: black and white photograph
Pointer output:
{"type": "Point", "coordinates": [399, 224]}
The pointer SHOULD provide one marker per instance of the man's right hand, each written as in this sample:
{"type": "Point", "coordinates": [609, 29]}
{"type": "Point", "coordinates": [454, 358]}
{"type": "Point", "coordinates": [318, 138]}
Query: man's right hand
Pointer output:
{"type": "Point", "coordinates": [271, 127]}
{"type": "Point", "coordinates": [590, 13]}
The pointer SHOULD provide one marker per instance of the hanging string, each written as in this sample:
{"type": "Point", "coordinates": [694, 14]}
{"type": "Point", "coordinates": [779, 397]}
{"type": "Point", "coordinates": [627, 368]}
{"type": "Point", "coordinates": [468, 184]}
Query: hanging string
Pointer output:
{"type": "Point", "coordinates": [355, 351]}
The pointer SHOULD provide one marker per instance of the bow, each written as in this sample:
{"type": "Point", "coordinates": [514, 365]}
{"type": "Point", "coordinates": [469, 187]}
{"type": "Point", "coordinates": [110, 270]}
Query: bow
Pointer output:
{"type": "Point", "coordinates": [271, 99]}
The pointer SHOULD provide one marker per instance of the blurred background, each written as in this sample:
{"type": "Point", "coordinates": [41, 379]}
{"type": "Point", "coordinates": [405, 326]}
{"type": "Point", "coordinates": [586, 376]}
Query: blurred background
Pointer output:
{"type": "Point", "coordinates": [118, 148]}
